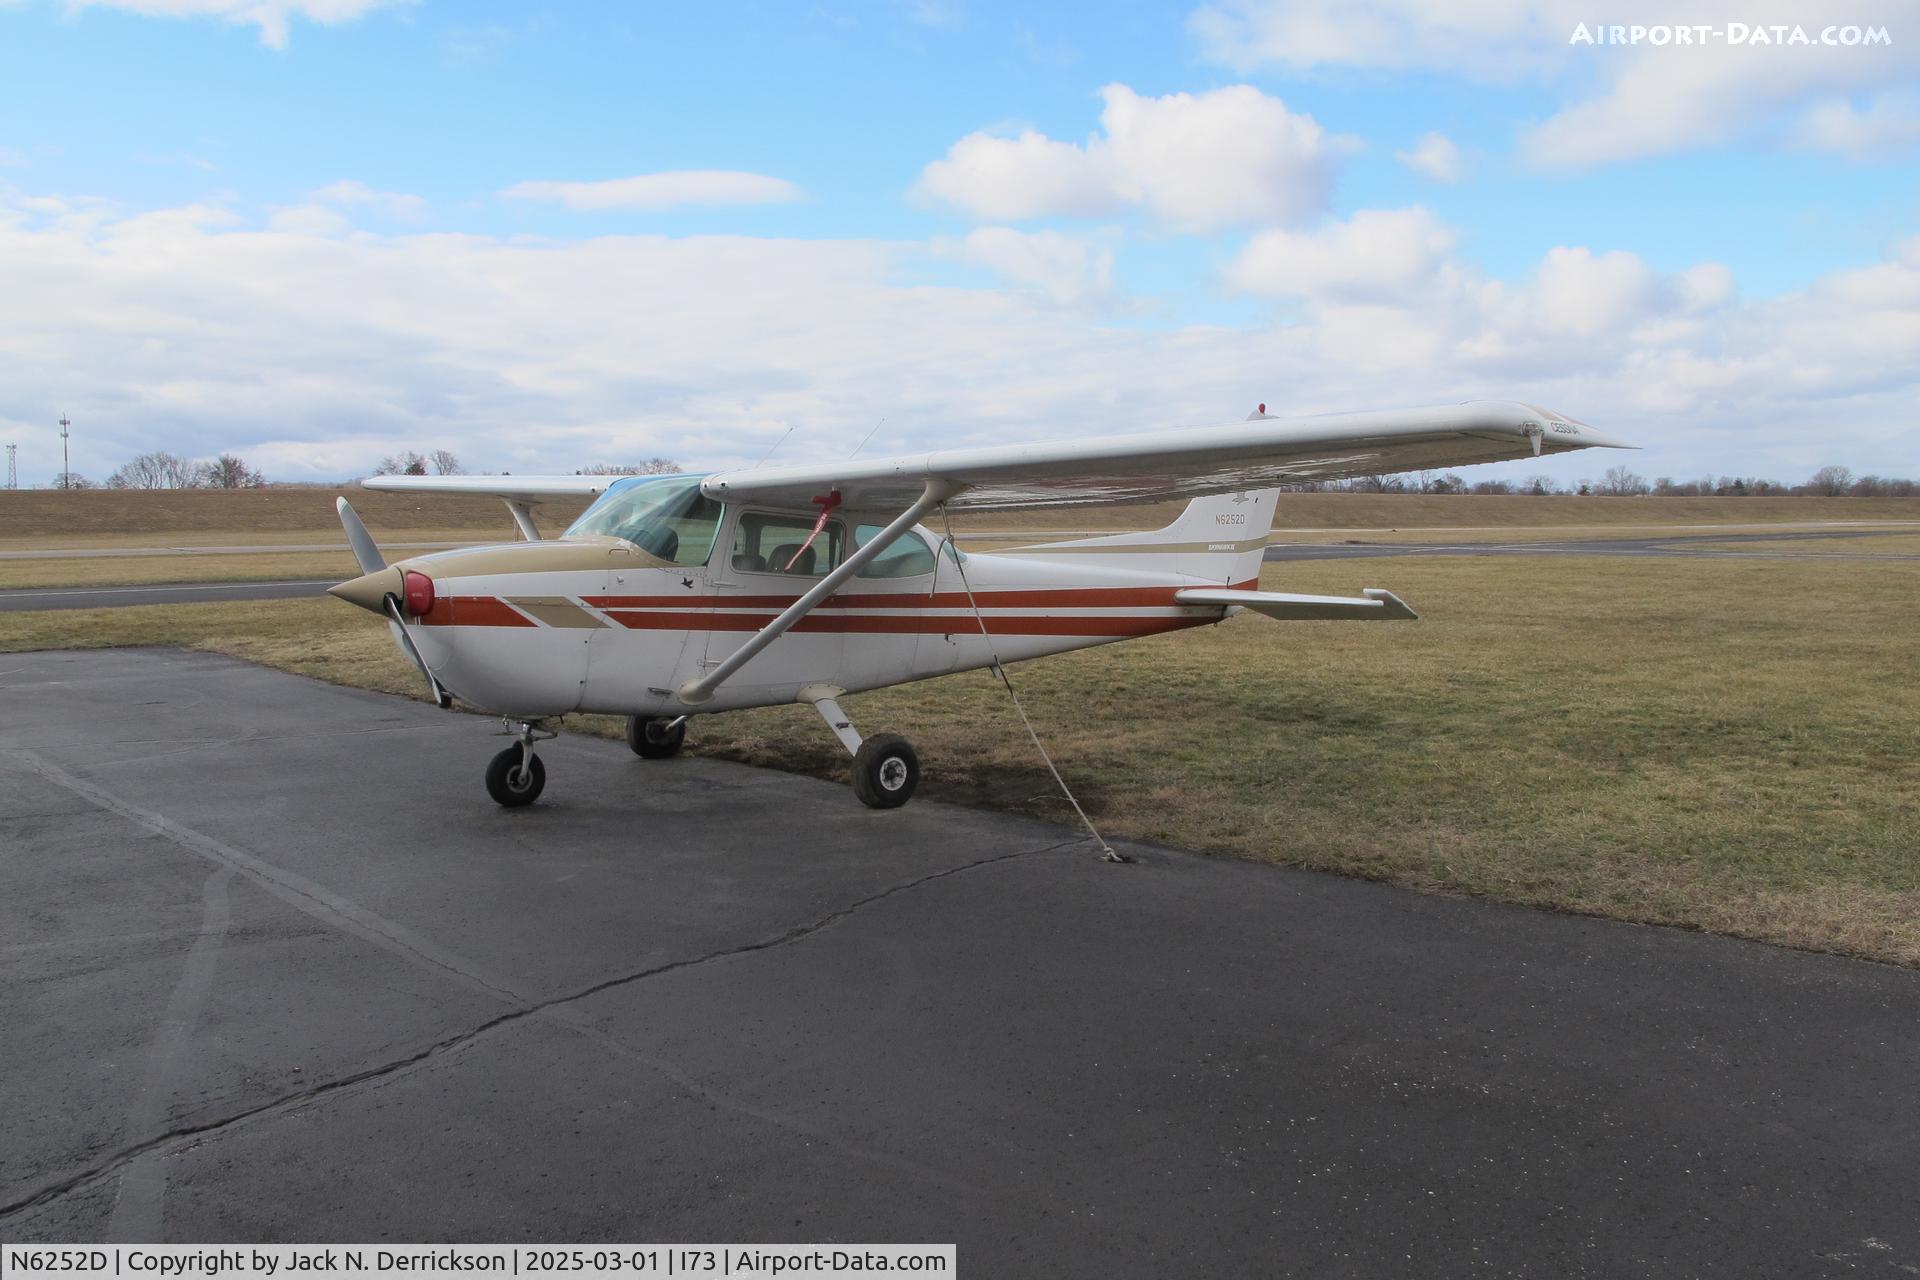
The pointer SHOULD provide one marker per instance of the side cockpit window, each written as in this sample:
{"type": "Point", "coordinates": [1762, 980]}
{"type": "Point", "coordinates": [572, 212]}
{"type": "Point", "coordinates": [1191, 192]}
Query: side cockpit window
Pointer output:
{"type": "Point", "coordinates": [908, 557]}
{"type": "Point", "coordinates": [666, 517]}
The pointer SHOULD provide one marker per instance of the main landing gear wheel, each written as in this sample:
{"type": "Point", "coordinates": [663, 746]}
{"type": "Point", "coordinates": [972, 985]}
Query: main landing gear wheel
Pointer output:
{"type": "Point", "coordinates": [885, 771]}
{"type": "Point", "coordinates": [516, 777]}
{"type": "Point", "coordinates": [651, 739]}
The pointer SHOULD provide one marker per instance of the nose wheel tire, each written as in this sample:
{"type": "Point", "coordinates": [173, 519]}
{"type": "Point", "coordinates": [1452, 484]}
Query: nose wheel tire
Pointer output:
{"type": "Point", "coordinates": [885, 771]}
{"type": "Point", "coordinates": [651, 739]}
{"type": "Point", "coordinates": [516, 778]}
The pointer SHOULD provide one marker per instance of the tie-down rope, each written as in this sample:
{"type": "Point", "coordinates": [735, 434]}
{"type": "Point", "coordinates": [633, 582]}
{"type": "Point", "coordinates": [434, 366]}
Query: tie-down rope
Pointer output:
{"type": "Point", "coordinates": [1107, 851]}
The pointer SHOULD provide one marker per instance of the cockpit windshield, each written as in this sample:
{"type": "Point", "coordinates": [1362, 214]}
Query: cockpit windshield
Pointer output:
{"type": "Point", "coordinates": [666, 516]}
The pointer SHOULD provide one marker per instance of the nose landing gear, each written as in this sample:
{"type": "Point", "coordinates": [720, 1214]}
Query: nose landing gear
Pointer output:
{"type": "Point", "coordinates": [516, 777]}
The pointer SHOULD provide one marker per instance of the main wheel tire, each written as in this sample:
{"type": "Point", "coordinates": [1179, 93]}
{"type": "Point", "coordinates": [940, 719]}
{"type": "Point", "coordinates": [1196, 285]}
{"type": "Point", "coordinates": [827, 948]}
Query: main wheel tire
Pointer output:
{"type": "Point", "coordinates": [650, 737]}
{"type": "Point", "coordinates": [885, 771]}
{"type": "Point", "coordinates": [511, 785]}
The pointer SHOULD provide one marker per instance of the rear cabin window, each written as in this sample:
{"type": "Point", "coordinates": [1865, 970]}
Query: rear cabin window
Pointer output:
{"type": "Point", "coordinates": [908, 557]}
{"type": "Point", "coordinates": [778, 544]}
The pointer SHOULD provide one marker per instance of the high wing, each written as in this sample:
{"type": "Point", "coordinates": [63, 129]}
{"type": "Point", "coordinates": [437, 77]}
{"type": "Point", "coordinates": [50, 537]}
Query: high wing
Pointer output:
{"type": "Point", "coordinates": [1113, 469]}
{"type": "Point", "coordinates": [1172, 464]}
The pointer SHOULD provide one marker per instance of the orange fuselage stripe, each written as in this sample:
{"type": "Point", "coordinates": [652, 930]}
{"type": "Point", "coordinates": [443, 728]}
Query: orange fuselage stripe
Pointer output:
{"type": "Point", "coordinates": [912, 614]}
{"type": "Point", "coordinates": [474, 611]}
{"type": "Point", "coordinates": [907, 624]}
{"type": "Point", "coordinates": [1052, 597]}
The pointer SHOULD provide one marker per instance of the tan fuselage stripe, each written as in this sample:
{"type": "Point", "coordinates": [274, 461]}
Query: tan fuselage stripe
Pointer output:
{"type": "Point", "coordinates": [534, 557]}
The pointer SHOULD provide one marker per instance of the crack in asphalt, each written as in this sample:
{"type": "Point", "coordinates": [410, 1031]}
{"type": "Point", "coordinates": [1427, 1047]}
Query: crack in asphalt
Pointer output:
{"type": "Point", "coordinates": [453, 1043]}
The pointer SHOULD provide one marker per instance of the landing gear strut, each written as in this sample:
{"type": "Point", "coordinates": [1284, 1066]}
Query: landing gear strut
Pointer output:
{"type": "Point", "coordinates": [885, 768]}
{"type": "Point", "coordinates": [516, 777]}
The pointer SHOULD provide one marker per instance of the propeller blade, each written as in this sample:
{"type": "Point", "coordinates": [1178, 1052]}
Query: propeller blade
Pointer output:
{"type": "Point", "coordinates": [441, 698]}
{"type": "Point", "coordinates": [359, 539]}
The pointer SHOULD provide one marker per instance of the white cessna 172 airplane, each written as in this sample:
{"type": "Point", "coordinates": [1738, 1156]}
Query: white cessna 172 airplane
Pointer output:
{"type": "Point", "coordinates": [682, 595]}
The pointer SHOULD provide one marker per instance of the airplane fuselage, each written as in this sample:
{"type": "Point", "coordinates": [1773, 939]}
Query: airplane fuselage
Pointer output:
{"type": "Point", "coordinates": [532, 630]}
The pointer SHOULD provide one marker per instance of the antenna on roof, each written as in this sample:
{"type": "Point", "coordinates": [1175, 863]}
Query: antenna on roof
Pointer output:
{"type": "Point", "coordinates": [769, 453]}
{"type": "Point", "coordinates": [863, 440]}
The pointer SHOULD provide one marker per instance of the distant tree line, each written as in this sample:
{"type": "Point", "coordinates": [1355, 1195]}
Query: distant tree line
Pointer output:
{"type": "Point", "coordinates": [1619, 482]}
{"type": "Point", "coordinates": [162, 470]}
{"type": "Point", "coordinates": [442, 462]}
{"type": "Point", "coordinates": [438, 462]}
{"type": "Point", "coordinates": [651, 467]}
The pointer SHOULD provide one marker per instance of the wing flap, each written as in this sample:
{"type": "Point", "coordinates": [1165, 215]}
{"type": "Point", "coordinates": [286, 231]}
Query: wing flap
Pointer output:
{"type": "Point", "coordinates": [1377, 605]}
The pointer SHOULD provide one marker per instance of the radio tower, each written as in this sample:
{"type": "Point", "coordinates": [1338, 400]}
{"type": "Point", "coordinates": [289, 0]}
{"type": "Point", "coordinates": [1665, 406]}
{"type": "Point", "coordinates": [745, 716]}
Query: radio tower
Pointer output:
{"type": "Point", "coordinates": [13, 470]}
{"type": "Point", "coordinates": [66, 468]}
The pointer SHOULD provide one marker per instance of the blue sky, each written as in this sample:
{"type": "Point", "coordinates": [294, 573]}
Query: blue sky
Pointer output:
{"type": "Point", "coordinates": [1673, 243]}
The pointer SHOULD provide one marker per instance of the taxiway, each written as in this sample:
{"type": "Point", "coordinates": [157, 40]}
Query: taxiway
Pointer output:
{"type": "Point", "coordinates": [275, 968]}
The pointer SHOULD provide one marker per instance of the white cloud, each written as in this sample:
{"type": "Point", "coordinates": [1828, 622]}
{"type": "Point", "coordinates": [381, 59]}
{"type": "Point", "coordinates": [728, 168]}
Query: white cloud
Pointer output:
{"type": "Point", "coordinates": [1196, 162]}
{"type": "Point", "coordinates": [314, 353]}
{"type": "Point", "coordinates": [655, 191]}
{"type": "Point", "coordinates": [1383, 293]}
{"type": "Point", "coordinates": [1616, 102]}
{"type": "Point", "coordinates": [1890, 123]}
{"type": "Point", "coordinates": [1025, 176]}
{"type": "Point", "coordinates": [1435, 156]}
{"type": "Point", "coordinates": [1587, 294]}
{"type": "Point", "coordinates": [391, 204]}
{"type": "Point", "coordinates": [309, 220]}
{"type": "Point", "coordinates": [1705, 286]}
{"type": "Point", "coordinates": [1376, 253]}
{"type": "Point", "coordinates": [1062, 267]}
{"type": "Point", "coordinates": [1660, 100]}
{"type": "Point", "coordinates": [1490, 40]}
{"type": "Point", "coordinates": [11, 158]}
{"type": "Point", "coordinates": [272, 17]}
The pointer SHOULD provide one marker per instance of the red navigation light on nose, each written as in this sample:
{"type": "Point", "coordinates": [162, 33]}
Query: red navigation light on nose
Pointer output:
{"type": "Point", "coordinates": [419, 594]}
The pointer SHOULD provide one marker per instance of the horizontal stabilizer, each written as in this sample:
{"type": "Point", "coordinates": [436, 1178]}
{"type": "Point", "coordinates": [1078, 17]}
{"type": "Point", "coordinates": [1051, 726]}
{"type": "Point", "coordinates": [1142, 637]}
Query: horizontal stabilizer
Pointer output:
{"type": "Point", "coordinates": [1377, 606]}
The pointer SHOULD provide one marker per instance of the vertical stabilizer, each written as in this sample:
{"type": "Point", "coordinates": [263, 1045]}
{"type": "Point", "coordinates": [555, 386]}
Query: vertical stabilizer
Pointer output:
{"type": "Point", "coordinates": [1218, 539]}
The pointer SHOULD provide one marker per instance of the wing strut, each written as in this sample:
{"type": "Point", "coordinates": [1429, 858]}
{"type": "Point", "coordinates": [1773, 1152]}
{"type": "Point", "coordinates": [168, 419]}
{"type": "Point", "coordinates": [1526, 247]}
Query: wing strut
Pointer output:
{"type": "Point", "coordinates": [694, 692]}
{"type": "Point", "coordinates": [523, 519]}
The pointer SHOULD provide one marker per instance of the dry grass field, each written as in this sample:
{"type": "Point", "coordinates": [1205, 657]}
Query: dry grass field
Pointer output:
{"type": "Point", "coordinates": [90, 572]}
{"type": "Point", "coordinates": [184, 517]}
{"type": "Point", "coordinates": [46, 518]}
{"type": "Point", "coordinates": [91, 522]}
{"type": "Point", "coordinates": [1728, 745]}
